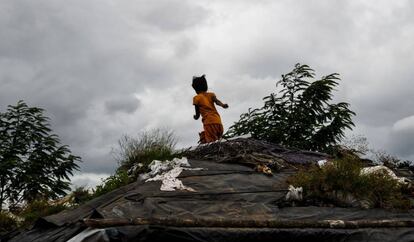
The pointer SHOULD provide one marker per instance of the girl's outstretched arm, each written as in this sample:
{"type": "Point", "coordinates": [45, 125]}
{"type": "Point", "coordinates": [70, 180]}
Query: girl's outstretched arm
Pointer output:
{"type": "Point", "coordinates": [218, 102]}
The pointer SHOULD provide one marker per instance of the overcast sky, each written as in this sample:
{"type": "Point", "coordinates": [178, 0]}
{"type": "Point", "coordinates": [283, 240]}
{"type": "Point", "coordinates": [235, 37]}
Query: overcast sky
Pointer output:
{"type": "Point", "coordinates": [104, 68]}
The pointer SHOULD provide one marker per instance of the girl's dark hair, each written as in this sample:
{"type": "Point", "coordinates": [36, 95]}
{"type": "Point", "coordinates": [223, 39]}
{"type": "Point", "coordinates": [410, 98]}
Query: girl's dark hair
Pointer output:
{"type": "Point", "coordinates": [200, 83]}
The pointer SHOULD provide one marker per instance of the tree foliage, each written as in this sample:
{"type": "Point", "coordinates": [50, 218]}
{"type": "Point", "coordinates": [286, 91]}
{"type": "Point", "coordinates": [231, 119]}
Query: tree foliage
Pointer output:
{"type": "Point", "coordinates": [300, 114]}
{"type": "Point", "coordinates": [33, 163]}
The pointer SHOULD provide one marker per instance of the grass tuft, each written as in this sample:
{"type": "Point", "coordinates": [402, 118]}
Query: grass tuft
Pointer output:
{"type": "Point", "coordinates": [39, 208]}
{"type": "Point", "coordinates": [119, 179]}
{"type": "Point", "coordinates": [140, 151]}
{"type": "Point", "coordinates": [134, 154]}
{"type": "Point", "coordinates": [340, 182]}
{"type": "Point", "coordinates": [7, 223]}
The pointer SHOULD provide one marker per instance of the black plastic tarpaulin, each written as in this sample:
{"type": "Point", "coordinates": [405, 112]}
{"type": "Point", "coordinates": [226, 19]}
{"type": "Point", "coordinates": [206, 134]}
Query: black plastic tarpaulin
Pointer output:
{"type": "Point", "coordinates": [230, 202]}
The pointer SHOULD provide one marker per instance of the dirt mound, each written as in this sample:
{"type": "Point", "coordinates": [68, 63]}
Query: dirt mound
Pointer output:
{"type": "Point", "coordinates": [263, 156]}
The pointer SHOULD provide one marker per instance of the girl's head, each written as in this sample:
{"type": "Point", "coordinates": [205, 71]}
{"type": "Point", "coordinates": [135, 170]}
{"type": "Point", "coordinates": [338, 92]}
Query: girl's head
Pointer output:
{"type": "Point", "coordinates": [200, 83]}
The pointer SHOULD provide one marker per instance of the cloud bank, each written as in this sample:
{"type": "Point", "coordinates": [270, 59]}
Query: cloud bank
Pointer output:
{"type": "Point", "coordinates": [106, 68]}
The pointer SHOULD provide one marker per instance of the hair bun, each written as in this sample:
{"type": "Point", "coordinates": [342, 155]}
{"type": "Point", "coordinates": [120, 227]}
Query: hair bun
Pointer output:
{"type": "Point", "coordinates": [200, 83]}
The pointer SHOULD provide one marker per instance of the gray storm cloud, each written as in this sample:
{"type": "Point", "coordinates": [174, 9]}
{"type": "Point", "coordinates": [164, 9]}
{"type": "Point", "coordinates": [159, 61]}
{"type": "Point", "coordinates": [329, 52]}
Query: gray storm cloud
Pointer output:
{"type": "Point", "coordinates": [402, 137]}
{"type": "Point", "coordinates": [126, 104]}
{"type": "Point", "coordinates": [104, 68]}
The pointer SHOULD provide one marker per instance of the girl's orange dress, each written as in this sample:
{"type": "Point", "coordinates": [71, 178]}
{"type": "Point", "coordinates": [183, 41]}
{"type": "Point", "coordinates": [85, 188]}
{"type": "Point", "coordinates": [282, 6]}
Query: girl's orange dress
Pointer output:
{"type": "Point", "coordinates": [213, 128]}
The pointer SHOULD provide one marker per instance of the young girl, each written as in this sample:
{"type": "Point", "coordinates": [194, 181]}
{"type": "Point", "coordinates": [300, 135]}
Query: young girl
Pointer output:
{"type": "Point", "coordinates": [204, 104]}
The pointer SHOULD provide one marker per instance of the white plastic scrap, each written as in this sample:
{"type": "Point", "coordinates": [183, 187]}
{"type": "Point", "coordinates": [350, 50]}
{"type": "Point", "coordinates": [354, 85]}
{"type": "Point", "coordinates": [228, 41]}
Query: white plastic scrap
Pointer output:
{"type": "Point", "coordinates": [294, 193]}
{"type": "Point", "coordinates": [245, 136]}
{"type": "Point", "coordinates": [383, 170]}
{"type": "Point", "coordinates": [322, 162]}
{"type": "Point", "coordinates": [336, 223]}
{"type": "Point", "coordinates": [167, 172]}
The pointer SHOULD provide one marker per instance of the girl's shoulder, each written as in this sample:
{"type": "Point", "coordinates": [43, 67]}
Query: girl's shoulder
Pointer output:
{"type": "Point", "coordinates": [210, 94]}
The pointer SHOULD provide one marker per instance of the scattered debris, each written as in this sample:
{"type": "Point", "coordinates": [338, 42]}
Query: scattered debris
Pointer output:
{"type": "Point", "coordinates": [263, 169]}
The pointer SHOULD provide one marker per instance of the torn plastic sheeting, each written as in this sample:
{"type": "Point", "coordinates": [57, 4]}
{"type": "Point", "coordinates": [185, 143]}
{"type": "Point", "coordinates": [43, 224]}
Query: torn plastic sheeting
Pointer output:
{"type": "Point", "coordinates": [167, 172]}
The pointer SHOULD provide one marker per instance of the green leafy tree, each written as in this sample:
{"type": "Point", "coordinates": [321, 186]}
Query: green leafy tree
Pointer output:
{"type": "Point", "coordinates": [33, 163]}
{"type": "Point", "coordinates": [300, 114]}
